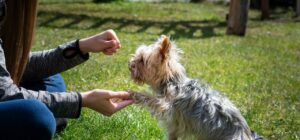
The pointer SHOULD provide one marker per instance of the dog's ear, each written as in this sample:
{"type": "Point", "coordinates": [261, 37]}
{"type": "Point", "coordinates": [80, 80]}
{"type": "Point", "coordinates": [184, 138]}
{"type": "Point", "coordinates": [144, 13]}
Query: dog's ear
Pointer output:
{"type": "Point", "coordinates": [165, 47]}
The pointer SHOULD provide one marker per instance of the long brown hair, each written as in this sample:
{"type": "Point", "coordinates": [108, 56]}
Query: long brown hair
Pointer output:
{"type": "Point", "coordinates": [17, 35]}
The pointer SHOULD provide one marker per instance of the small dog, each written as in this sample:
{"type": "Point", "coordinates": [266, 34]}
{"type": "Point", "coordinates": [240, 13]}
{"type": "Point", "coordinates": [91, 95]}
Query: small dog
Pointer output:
{"type": "Point", "coordinates": [190, 110]}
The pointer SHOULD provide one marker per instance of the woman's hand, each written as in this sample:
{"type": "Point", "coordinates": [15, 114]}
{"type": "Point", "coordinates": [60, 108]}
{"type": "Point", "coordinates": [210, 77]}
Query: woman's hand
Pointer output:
{"type": "Point", "coordinates": [106, 42]}
{"type": "Point", "coordinates": [106, 102]}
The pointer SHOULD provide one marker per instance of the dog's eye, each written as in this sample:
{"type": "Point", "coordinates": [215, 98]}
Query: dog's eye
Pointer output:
{"type": "Point", "coordinates": [141, 60]}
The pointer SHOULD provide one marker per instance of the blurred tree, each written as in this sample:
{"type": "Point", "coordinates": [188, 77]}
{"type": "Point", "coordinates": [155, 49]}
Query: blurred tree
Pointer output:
{"type": "Point", "coordinates": [237, 18]}
{"type": "Point", "coordinates": [265, 14]}
{"type": "Point", "coordinates": [298, 8]}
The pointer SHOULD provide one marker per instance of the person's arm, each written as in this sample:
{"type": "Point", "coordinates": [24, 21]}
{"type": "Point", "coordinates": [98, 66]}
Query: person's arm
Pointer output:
{"type": "Point", "coordinates": [46, 63]}
{"type": "Point", "coordinates": [62, 105]}
{"type": "Point", "coordinates": [43, 64]}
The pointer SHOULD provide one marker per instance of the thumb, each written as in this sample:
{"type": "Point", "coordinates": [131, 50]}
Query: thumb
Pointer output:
{"type": "Point", "coordinates": [123, 104]}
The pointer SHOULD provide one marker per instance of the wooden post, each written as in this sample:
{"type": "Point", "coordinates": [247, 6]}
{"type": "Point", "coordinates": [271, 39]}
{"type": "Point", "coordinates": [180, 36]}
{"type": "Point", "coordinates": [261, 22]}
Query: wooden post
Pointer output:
{"type": "Point", "coordinates": [237, 18]}
{"type": "Point", "coordinates": [298, 8]}
{"type": "Point", "coordinates": [264, 9]}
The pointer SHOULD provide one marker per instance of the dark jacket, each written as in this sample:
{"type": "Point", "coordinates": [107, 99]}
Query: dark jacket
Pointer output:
{"type": "Point", "coordinates": [41, 65]}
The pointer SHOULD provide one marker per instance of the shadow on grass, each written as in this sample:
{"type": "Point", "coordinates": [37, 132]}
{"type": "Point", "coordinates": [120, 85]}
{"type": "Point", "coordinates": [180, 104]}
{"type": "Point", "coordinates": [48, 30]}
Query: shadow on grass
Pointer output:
{"type": "Point", "coordinates": [176, 28]}
{"type": "Point", "coordinates": [282, 14]}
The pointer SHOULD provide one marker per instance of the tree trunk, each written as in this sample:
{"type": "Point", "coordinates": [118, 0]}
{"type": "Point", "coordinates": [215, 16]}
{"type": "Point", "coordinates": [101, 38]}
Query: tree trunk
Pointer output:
{"type": "Point", "coordinates": [298, 8]}
{"type": "Point", "coordinates": [265, 9]}
{"type": "Point", "coordinates": [237, 18]}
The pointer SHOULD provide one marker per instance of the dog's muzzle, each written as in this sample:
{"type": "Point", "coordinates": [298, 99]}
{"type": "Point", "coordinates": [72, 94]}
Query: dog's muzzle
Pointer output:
{"type": "Point", "coordinates": [131, 66]}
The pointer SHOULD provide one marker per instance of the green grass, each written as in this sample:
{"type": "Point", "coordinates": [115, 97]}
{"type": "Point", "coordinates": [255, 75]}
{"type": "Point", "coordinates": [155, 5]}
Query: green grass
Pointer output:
{"type": "Point", "coordinates": [260, 72]}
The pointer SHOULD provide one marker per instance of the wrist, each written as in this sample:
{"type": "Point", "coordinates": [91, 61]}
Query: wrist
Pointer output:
{"type": "Point", "coordinates": [82, 44]}
{"type": "Point", "coordinates": [84, 102]}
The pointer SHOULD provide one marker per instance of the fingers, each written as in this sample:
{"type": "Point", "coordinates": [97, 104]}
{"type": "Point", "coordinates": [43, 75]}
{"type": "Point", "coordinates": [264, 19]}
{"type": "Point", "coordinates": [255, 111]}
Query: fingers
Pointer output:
{"type": "Point", "coordinates": [106, 42]}
{"type": "Point", "coordinates": [113, 44]}
{"type": "Point", "coordinates": [119, 100]}
{"type": "Point", "coordinates": [110, 44]}
{"type": "Point", "coordinates": [108, 102]}
{"type": "Point", "coordinates": [116, 106]}
{"type": "Point", "coordinates": [112, 36]}
{"type": "Point", "coordinates": [112, 94]}
{"type": "Point", "coordinates": [122, 104]}
{"type": "Point", "coordinates": [111, 47]}
{"type": "Point", "coordinates": [119, 94]}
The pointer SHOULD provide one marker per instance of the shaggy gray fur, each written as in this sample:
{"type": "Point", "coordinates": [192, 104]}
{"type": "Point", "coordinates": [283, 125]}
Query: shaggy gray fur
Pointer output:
{"type": "Point", "coordinates": [205, 112]}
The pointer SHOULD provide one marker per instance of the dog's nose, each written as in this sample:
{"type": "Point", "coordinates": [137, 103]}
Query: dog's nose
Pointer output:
{"type": "Point", "coordinates": [131, 65]}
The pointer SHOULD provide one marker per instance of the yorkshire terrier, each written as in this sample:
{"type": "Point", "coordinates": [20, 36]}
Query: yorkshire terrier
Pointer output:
{"type": "Point", "coordinates": [188, 108]}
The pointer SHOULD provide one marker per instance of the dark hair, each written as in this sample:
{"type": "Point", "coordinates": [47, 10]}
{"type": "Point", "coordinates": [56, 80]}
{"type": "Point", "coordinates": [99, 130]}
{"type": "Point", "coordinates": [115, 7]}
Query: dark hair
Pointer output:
{"type": "Point", "coordinates": [2, 11]}
{"type": "Point", "coordinates": [17, 35]}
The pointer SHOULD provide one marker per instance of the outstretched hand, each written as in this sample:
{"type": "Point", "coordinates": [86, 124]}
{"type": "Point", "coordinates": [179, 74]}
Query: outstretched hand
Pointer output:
{"type": "Point", "coordinates": [106, 42]}
{"type": "Point", "coordinates": [106, 102]}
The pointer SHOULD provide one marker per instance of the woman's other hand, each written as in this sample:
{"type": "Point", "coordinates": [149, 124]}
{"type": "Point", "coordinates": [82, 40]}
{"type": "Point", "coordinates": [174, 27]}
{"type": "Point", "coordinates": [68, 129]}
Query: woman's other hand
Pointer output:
{"type": "Point", "coordinates": [106, 102]}
{"type": "Point", "coordinates": [106, 42]}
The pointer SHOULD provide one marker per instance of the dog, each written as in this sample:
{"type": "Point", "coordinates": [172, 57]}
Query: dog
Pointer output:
{"type": "Point", "coordinates": [189, 109]}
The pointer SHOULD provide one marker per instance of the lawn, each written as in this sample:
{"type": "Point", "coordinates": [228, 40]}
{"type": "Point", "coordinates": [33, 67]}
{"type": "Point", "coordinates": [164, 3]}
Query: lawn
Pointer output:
{"type": "Point", "coordinates": [260, 72]}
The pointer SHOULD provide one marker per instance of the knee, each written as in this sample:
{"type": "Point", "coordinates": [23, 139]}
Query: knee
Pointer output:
{"type": "Point", "coordinates": [39, 119]}
{"type": "Point", "coordinates": [55, 83]}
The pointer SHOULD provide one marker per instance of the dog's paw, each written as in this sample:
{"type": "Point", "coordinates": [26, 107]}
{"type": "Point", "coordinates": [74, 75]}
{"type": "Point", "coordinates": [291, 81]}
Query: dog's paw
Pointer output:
{"type": "Point", "coordinates": [139, 98]}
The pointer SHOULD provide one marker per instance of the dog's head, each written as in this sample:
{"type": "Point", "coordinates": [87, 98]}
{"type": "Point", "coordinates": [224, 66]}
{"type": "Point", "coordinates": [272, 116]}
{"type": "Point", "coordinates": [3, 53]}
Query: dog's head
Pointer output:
{"type": "Point", "coordinates": [156, 63]}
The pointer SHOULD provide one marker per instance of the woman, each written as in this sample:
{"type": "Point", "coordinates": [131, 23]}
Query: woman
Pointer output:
{"type": "Point", "coordinates": [29, 114]}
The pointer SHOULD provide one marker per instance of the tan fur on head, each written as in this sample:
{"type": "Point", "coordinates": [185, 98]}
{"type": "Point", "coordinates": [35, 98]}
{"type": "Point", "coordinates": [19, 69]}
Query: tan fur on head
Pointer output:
{"type": "Point", "coordinates": [156, 63]}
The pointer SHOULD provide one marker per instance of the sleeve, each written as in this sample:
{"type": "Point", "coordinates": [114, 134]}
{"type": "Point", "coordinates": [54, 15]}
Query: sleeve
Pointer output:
{"type": "Point", "coordinates": [53, 61]}
{"type": "Point", "coordinates": [62, 105]}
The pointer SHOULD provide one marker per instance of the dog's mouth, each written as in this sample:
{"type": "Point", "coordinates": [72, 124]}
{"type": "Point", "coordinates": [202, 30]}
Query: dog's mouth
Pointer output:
{"type": "Point", "coordinates": [134, 72]}
{"type": "Point", "coordinates": [131, 67]}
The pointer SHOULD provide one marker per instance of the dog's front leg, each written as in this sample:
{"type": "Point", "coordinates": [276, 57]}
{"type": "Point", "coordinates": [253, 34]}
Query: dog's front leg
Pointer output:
{"type": "Point", "coordinates": [157, 105]}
